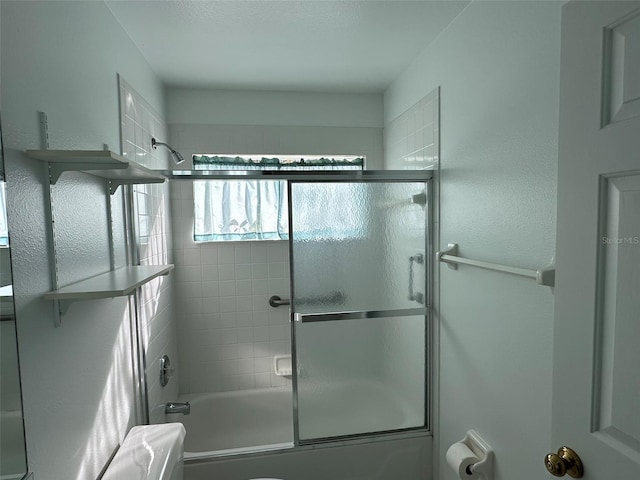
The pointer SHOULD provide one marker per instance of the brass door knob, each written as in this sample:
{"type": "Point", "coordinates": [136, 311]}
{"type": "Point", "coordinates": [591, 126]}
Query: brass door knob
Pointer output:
{"type": "Point", "coordinates": [565, 462]}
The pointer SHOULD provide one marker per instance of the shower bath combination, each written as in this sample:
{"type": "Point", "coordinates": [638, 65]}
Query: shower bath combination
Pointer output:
{"type": "Point", "coordinates": [359, 337]}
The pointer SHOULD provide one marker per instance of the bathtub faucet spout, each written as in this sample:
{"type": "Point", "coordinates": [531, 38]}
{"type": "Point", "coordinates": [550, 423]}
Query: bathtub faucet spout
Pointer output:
{"type": "Point", "coordinates": [175, 407]}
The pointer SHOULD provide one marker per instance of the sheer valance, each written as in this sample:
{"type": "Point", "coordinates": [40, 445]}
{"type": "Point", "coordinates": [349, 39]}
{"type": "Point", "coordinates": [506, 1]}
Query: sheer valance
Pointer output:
{"type": "Point", "coordinates": [216, 162]}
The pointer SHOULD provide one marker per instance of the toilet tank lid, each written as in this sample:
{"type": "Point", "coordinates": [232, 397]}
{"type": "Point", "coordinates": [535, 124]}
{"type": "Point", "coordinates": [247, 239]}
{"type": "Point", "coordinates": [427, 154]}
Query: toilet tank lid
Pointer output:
{"type": "Point", "coordinates": [148, 452]}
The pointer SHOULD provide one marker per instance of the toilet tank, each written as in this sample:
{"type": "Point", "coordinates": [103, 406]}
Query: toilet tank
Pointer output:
{"type": "Point", "coordinates": [149, 452]}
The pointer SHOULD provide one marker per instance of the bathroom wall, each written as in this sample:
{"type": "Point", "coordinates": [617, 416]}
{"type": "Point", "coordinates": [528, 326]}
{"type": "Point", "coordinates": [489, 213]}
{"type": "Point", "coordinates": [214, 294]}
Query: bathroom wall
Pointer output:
{"type": "Point", "coordinates": [277, 122]}
{"type": "Point", "coordinates": [62, 58]}
{"type": "Point", "coordinates": [246, 107]}
{"type": "Point", "coordinates": [227, 332]}
{"type": "Point", "coordinates": [497, 66]}
{"type": "Point", "coordinates": [139, 122]}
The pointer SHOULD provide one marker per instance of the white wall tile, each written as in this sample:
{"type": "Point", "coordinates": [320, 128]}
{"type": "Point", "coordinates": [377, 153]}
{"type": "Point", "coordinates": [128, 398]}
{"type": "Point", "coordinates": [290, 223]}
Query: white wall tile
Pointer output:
{"type": "Point", "coordinates": [227, 288]}
{"type": "Point", "coordinates": [244, 287]}
{"type": "Point", "coordinates": [209, 254]}
{"type": "Point", "coordinates": [259, 271]}
{"type": "Point", "coordinates": [209, 273]}
{"type": "Point", "coordinates": [223, 294]}
{"type": "Point", "coordinates": [408, 136]}
{"type": "Point", "coordinates": [244, 319]}
{"type": "Point", "coordinates": [157, 313]}
{"type": "Point", "coordinates": [243, 270]}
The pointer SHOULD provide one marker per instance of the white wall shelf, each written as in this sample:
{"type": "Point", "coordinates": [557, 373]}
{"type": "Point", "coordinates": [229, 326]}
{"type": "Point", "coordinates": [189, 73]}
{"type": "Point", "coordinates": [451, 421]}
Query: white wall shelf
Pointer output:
{"type": "Point", "coordinates": [101, 163]}
{"type": "Point", "coordinates": [116, 170]}
{"type": "Point", "coordinates": [115, 283]}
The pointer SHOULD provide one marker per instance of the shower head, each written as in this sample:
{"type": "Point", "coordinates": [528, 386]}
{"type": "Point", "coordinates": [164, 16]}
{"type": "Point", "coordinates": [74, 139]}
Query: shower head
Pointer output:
{"type": "Point", "coordinates": [177, 156]}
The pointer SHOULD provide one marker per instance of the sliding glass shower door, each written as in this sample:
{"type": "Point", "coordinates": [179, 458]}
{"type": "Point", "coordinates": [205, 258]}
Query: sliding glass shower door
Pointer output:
{"type": "Point", "coordinates": [359, 263]}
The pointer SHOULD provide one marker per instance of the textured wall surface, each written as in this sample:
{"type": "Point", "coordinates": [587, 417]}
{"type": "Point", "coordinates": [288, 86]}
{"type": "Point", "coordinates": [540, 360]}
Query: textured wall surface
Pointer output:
{"type": "Point", "coordinates": [497, 66]}
{"type": "Point", "coordinates": [76, 379]}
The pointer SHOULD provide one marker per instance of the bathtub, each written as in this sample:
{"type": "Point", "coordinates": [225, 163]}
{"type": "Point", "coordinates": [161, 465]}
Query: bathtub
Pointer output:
{"type": "Point", "coordinates": [236, 422]}
{"type": "Point", "coordinates": [249, 434]}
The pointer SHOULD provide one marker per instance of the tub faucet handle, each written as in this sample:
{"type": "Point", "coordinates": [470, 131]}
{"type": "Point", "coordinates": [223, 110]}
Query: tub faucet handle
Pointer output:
{"type": "Point", "coordinates": [166, 370]}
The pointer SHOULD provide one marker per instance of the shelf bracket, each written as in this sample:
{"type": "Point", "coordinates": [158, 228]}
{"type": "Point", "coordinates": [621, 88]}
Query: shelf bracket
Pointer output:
{"type": "Point", "coordinates": [64, 306]}
{"type": "Point", "coordinates": [113, 186]}
{"type": "Point", "coordinates": [57, 313]}
{"type": "Point", "coordinates": [115, 183]}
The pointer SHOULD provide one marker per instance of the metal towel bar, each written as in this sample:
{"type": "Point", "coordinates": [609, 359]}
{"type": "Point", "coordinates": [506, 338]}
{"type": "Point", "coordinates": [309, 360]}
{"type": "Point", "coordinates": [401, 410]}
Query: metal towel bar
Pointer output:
{"type": "Point", "coordinates": [544, 276]}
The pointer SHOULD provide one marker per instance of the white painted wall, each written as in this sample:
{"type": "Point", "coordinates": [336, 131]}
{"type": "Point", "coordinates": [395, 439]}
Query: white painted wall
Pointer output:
{"type": "Point", "coordinates": [497, 65]}
{"type": "Point", "coordinates": [230, 107]}
{"type": "Point", "coordinates": [62, 58]}
{"type": "Point", "coordinates": [223, 121]}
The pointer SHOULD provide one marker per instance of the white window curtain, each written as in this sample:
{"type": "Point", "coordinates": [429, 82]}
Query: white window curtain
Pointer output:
{"type": "Point", "coordinates": [228, 210]}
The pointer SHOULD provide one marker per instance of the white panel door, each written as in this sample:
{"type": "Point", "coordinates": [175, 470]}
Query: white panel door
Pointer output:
{"type": "Point", "coordinates": [596, 389]}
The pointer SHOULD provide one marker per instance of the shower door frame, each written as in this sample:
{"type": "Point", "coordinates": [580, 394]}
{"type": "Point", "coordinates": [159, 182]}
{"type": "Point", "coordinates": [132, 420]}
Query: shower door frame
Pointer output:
{"type": "Point", "coordinates": [350, 176]}
{"type": "Point", "coordinates": [368, 176]}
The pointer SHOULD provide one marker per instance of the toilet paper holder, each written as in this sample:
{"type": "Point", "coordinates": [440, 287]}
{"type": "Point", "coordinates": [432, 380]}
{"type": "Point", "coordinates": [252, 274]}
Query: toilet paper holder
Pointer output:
{"type": "Point", "coordinates": [483, 469]}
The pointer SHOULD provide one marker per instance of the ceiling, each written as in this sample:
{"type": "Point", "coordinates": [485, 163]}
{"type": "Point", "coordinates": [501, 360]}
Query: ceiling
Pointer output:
{"type": "Point", "coordinates": [286, 45]}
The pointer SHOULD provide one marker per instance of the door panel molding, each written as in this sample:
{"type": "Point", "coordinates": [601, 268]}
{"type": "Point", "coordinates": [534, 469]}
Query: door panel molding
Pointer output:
{"type": "Point", "coordinates": [621, 70]}
{"type": "Point", "coordinates": [616, 412]}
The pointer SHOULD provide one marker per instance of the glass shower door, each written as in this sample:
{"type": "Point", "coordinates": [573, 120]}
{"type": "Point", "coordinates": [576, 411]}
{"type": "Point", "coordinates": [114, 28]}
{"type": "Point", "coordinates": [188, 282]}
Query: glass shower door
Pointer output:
{"type": "Point", "coordinates": [359, 291]}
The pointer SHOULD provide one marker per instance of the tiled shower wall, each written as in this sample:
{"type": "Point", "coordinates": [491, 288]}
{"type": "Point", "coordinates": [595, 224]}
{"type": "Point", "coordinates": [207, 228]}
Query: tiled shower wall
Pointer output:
{"type": "Point", "coordinates": [411, 142]}
{"type": "Point", "coordinates": [140, 122]}
{"type": "Point", "coordinates": [228, 334]}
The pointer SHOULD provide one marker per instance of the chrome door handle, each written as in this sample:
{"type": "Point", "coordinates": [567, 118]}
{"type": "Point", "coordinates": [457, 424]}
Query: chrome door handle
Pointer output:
{"type": "Point", "coordinates": [358, 315]}
{"type": "Point", "coordinates": [418, 297]}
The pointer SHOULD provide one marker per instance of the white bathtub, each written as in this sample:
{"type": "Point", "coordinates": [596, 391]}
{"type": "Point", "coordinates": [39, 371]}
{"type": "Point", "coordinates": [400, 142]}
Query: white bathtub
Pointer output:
{"type": "Point", "coordinates": [235, 422]}
{"type": "Point", "coordinates": [260, 423]}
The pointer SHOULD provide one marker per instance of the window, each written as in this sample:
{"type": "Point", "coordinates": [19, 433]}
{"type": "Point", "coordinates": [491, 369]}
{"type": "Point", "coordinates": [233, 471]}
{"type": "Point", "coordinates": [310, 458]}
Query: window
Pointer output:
{"type": "Point", "coordinates": [4, 226]}
{"type": "Point", "coordinates": [227, 210]}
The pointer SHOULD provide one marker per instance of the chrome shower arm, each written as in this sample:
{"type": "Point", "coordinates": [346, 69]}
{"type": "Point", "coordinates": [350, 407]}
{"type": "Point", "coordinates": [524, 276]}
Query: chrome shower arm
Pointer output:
{"type": "Point", "coordinates": [177, 156]}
